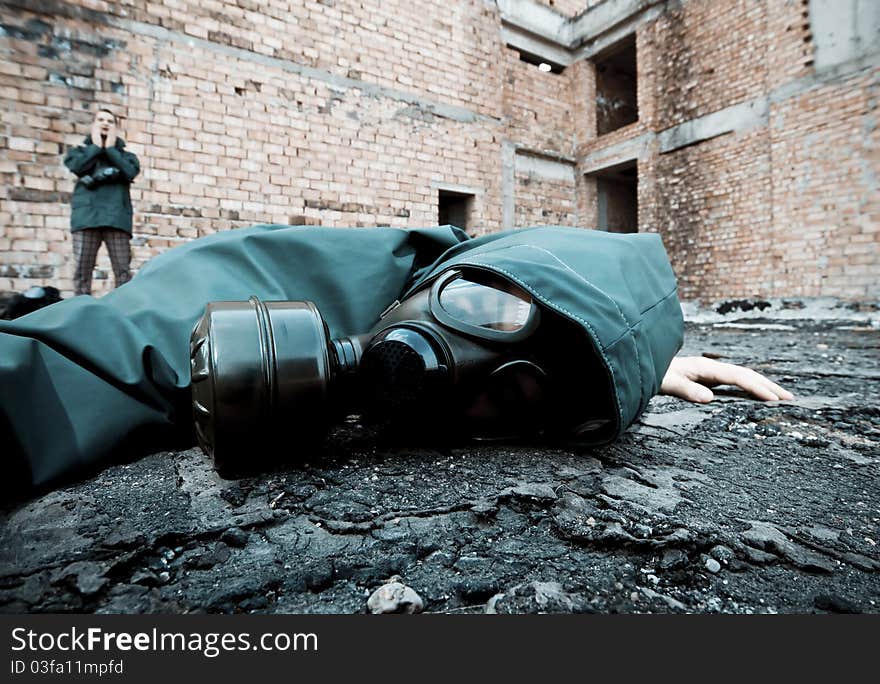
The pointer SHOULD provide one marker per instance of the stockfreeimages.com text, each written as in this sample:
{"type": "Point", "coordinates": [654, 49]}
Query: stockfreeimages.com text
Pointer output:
{"type": "Point", "coordinates": [210, 644]}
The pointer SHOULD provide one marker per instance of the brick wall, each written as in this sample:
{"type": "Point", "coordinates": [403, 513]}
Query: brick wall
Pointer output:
{"type": "Point", "coordinates": [358, 113]}
{"type": "Point", "coordinates": [537, 106]}
{"type": "Point", "coordinates": [785, 205]}
{"type": "Point", "coordinates": [826, 206]}
{"type": "Point", "coordinates": [234, 127]}
{"type": "Point", "coordinates": [709, 55]}
{"type": "Point", "coordinates": [716, 212]}
{"type": "Point", "coordinates": [542, 201]}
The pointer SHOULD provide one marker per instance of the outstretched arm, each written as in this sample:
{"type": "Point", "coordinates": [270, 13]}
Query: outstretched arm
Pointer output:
{"type": "Point", "coordinates": [689, 377]}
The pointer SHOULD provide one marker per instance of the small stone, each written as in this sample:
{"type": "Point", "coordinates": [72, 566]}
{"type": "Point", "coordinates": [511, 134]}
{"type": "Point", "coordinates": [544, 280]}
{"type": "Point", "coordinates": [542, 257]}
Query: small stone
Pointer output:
{"type": "Point", "coordinates": [538, 597]}
{"type": "Point", "coordinates": [835, 604]}
{"type": "Point", "coordinates": [31, 590]}
{"type": "Point", "coordinates": [121, 539]}
{"type": "Point", "coordinates": [474, 590]}
{"type": "Point", "coordinates": [253, 603]}
{"type": "Point", "coordinates": [721, 553]}
{"type": "Point", "coordinates": [484, 509]}
{"type": "Point", "coordinates": [713, 565]}
{"type": "Point", "coordinates": [713, 605]}
{"type": "Point", "coordinates": [673, 558]}
{"type": "Point", "coordinates": [394, 597]}
{"type": "Point", "coordinates": [642, 531]}
{"type": "Point", "coordinates": [146, 578]}
{"type": "Point", "coordinates": [235, 537]}
{"type": "Point", "coordinates": [530, 490]}
{"type": "Point", "coordinates": [87, 577]}
{"type": "Point", "coordinates": [492, 603]}
{"type": "Point", "coordinates": [208, 558]}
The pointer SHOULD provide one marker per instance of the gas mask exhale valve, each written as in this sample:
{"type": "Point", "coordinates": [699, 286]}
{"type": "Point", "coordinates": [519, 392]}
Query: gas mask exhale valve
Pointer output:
{"type": "Point", "coordinates": [465, 354]}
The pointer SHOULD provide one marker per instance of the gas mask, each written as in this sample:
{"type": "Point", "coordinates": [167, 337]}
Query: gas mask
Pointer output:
{"type": "Point", "coordinates": [469, 354]}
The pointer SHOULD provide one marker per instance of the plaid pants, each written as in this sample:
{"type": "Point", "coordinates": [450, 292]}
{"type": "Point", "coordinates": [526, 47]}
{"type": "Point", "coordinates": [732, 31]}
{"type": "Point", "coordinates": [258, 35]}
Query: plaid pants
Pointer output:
{"type": "Point", "coordinates": [85, 248]}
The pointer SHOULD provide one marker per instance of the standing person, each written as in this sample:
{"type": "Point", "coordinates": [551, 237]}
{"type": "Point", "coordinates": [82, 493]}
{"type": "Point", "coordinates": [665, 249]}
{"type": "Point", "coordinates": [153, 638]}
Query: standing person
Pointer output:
{"type": "Point", "coordinates": [101, 204]}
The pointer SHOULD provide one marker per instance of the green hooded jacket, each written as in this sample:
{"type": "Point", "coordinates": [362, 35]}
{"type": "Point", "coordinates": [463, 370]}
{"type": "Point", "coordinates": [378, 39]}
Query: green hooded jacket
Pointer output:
{"type": "Point", "coordinates": [106, 205]}
{"type": "Point", "coordinates": [87, 380]}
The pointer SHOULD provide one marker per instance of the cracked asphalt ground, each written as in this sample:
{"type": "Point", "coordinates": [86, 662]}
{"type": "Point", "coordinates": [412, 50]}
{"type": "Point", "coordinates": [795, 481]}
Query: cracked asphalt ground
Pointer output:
{"type": "Point", "coordinates": [734, 507]}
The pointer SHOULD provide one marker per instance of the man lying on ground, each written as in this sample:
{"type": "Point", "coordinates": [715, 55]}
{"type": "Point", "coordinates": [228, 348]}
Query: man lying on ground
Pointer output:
{"type": "Point", "coordinates": [87, 381]}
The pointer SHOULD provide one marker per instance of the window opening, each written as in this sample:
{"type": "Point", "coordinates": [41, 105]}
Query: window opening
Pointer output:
{"type": "Point", "coordinates": [616, 87]}
{"type": "Point", "coordinates": [618, 197]}
{"type": "Point", "coordinates": [454, 209]}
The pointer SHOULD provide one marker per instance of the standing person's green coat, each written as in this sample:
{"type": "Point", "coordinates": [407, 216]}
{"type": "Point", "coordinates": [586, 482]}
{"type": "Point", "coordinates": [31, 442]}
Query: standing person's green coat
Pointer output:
{"type": "Point", "coordinates": [85, 380]}
{"type": "Point", "coordinates": [107, 205]}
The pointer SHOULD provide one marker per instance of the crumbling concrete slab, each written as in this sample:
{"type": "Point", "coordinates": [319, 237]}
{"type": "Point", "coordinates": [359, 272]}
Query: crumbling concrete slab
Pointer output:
{"type": "Point", "coordinates": [735, 506]}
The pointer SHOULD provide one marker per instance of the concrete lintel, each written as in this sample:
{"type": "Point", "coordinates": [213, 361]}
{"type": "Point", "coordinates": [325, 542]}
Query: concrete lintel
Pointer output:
{"type": "Point", "coordinates": [546, 169]}
{"type": "Point", "coordinates": [544, 154]}
{"type": "Point", "coordinates": [594, 46]}
{"type": "Point", "coordinates": [535, 18]}
{"type": "Point", "coordinates": [736, 118]}
{"type": "Point", "coordinates": [460, 189]}
{"type": "Point", "coordinates": [601, 18]}
{"type": "Point", "coordinates": [528, 42]}
{"type": "Point", "coordinates": [333, 81]}
{"type": "Point", "coordinates": [621, 153]}
{"type": "Point", "coordinates": [526, 23]}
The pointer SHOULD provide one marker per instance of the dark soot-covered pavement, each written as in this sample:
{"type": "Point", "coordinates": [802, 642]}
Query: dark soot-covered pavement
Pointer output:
{"type": "Point", "coordinates": [735, 506]}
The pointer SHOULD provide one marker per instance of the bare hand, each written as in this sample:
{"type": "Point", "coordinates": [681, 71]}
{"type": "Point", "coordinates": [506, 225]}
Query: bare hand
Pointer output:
{"type": "Point", "coordinates": [689, 377]}
{"type": "Point", "coordinates": [96, 134]}
{"type": "Point", "coordinates": [111, 136]}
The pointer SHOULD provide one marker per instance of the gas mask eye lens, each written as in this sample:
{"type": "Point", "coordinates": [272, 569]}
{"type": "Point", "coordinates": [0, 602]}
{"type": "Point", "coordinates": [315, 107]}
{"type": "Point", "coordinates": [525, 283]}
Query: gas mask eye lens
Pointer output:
{"type": "Point", "coordinates": [486, 305]}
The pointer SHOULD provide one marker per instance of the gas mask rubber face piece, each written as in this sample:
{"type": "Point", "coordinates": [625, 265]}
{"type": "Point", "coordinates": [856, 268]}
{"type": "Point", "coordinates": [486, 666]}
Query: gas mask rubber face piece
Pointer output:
{"type": "Point", "coordinates": [470, 354]}
{"type": "Point", "coordinates": [456, 356]}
